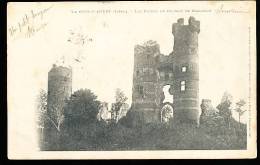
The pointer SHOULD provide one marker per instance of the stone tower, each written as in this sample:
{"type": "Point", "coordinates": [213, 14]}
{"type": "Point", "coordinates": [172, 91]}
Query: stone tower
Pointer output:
{"type": "Point", "coordinates": [145, 82]}
{"type": "Point", "coordinates": [186, 70]}
{"type": "Point", "coordinates": [59, 89]}
{"type": "Point", "coordinates": [179, 69]}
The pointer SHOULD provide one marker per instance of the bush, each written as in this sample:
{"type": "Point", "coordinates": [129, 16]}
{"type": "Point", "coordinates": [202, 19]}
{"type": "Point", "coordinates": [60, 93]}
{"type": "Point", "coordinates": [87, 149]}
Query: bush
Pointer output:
{"type": "Point", "coordinates": [213, 133]}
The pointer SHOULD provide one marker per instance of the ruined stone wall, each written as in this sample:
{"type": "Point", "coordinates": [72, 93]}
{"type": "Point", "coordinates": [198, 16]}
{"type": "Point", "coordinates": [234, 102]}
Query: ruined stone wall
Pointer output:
{"type": "Point", "coordinates": [145, 81]}
{"type": "Point", "coordinates": [153, 70]}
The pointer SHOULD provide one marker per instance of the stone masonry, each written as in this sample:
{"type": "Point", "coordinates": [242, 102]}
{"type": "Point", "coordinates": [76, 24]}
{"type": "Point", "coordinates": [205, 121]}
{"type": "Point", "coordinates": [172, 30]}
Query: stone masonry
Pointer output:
{"type": "Point", "coordinates": [179, 69]}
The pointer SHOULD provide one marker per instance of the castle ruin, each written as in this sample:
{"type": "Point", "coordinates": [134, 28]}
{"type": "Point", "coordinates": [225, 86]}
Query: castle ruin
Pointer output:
{"type": "Point", "coordinates": [59, 90]}
{"type": "Point", "coordinates": [179, 69]}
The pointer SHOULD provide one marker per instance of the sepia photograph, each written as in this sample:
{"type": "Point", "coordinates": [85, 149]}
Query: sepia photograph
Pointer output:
{"type": "Point", "coordinates": [131, 80]}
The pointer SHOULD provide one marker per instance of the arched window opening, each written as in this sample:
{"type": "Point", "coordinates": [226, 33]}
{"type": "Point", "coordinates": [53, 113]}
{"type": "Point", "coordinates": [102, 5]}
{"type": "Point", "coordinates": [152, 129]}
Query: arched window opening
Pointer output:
{"type": "Point", "coordinates": [166, 113]}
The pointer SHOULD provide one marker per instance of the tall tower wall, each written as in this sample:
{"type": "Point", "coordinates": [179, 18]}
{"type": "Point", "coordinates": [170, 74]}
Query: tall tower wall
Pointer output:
{"type": "Point", "coordinates": [186, 70]}
{"type": "Point", "coordinates": [145, 82]}
{"type": "Point", "coordinates": [59, 89]}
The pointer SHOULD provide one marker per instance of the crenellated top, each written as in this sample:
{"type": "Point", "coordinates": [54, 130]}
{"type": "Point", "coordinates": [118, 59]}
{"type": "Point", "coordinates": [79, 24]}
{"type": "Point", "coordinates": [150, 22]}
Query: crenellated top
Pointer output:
{"type": "Point", "coordinates": [193, 25]}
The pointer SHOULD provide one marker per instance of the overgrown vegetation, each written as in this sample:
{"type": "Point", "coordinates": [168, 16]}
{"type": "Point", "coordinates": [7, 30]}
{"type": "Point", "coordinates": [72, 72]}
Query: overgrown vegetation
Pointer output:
{"type": "Point", "coordinates": [82, 131]}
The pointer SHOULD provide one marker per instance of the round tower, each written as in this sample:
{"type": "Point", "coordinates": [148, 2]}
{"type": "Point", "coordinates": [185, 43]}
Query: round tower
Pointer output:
{"type": "Point", "coordinates": [59, 89]}
{"type": "Point", "coordinates": [186, 70]}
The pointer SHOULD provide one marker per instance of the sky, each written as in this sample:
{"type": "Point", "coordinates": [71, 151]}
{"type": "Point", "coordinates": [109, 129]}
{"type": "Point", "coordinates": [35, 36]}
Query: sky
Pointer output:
{"type": "Point", "coordinates": [106, 58]}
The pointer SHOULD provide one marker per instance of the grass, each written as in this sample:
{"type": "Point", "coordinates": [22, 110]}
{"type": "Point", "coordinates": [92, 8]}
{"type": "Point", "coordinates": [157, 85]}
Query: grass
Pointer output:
{"type": "Point", "coordinates": [213, 134]}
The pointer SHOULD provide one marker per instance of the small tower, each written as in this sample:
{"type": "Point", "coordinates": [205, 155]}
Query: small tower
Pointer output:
{"type": "Point", "coordinates": [59, 89]}
{"type": "Point", "coordinates": [186, 70]}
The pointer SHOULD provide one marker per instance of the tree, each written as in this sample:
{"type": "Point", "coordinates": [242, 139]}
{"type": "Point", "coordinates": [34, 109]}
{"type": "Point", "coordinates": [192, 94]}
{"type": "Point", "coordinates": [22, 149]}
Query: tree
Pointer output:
{"type": "Point", "coordinates": [82, 107]}
{"type": "Point", "coordinates": [120, 101]}
{"type": "Point", "coordinates": [41, 108]}
{"type": "Point", "coordinates": [59, 117]}
{"type": "Point", "coordinates": [51, 114]}
{"type": "Point", "coordinates": [79, 130]}
{"type": "Point", "coordinates": [226, 96]}
{"type": "Point", "coordinates": [225, 108]}
{"type": "Point", "coordinates": [239, 109]}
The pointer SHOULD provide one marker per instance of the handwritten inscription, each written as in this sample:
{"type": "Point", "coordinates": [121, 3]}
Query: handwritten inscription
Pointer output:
{"type": "Point", "coordinates": [31, 23]}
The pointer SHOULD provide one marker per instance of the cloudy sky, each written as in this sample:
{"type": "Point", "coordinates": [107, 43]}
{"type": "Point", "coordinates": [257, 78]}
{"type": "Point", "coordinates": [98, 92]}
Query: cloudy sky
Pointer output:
{"type": "Point", "coordinates": [106, 59]}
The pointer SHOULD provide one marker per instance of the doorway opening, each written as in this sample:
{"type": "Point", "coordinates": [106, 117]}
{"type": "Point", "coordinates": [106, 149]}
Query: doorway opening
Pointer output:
{"type": "Point", "coordinates": [166, 113]}
{"type": "Point", "coordinates": [167, 104]}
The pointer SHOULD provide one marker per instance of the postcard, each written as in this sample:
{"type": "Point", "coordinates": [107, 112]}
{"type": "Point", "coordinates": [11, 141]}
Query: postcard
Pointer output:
{"type": "Point", "coordinates": [131, 80]}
